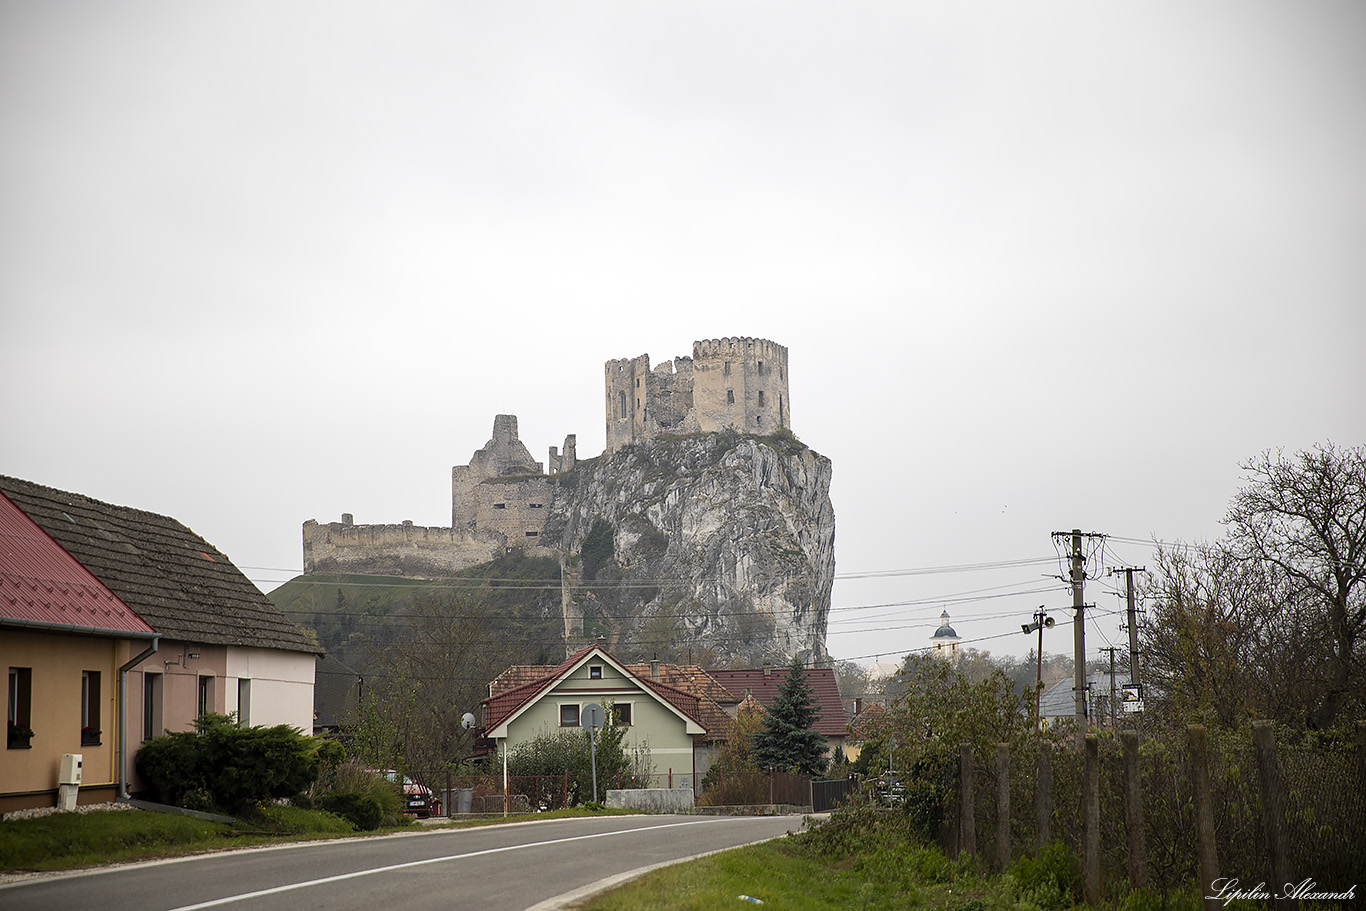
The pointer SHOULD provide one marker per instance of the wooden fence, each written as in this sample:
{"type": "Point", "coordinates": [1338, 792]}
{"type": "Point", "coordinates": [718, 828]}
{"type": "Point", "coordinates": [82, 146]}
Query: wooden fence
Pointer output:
{"type": "Point", "coordinates": [1200, 805]}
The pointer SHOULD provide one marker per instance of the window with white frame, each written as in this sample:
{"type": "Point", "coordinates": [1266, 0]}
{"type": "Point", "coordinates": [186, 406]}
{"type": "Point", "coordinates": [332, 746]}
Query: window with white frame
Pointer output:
{"type": "Point", "coordinates": [569, 715]}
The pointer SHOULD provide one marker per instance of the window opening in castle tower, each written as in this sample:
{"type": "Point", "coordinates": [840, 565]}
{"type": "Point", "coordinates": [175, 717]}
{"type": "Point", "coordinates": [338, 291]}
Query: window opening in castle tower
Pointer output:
{"type": "Point", "coordinates": [622, 399]}
{"type": "Point", "coordinates": [500, 506]}
{"type": "Point", "coordinates": [758, 421]}
{"type": "Point", "coordinates": [726, 371]}
{"type": "Point", "coordinates": [761, 399]}
{"type": "Point", "coordinates": [536, 505]}
{"type": "Point", "coordinates": [730, 396]}
{"type": "Point", "coordinates": [532, 534]}
{"type": "Point", "coordinates": [761, 368]}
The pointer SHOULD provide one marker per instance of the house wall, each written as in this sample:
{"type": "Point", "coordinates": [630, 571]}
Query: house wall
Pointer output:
{"type": "Point", "coordinates": [28, 777]}
{"type": "Point", "coordinates": [671, 747]}
{"type": "Point", "coordinates": [279, 687]}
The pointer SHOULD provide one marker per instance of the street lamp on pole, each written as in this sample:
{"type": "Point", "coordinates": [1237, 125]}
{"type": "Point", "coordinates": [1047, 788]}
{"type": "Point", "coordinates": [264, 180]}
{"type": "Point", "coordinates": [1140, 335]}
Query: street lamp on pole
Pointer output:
{"type": "Point", "coordinates": [1041, 622]}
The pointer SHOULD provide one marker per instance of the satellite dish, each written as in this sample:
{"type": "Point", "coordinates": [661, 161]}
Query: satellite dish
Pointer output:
{"type": "Point", "coordinates": [467, 720]}
{"type": "Point", "coordinates": [591, 716]}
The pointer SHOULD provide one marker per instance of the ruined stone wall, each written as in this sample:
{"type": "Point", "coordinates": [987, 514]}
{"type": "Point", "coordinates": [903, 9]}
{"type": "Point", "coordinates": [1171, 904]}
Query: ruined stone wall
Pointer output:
{"type": "Point", "coordinates": [728, 383]}
{"type": "Point", "coordinates": [515, 509]}
{"type": "Point", "coordinates": [413, 551]}
{"type": "Point", "coordinates": [740, 384]}
{"type": "Point", "coordinates": [503, 455]}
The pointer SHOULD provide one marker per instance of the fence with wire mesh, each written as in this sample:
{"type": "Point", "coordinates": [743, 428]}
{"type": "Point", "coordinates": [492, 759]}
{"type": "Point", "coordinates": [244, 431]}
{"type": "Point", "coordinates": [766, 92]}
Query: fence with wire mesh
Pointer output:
{"type": "Point", "coordinates": [1311, 812]}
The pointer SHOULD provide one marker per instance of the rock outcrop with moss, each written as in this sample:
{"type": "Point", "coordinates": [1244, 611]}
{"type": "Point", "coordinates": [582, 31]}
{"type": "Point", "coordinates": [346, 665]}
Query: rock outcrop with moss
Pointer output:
{"type": "Point", "coordinates": [715, 547]}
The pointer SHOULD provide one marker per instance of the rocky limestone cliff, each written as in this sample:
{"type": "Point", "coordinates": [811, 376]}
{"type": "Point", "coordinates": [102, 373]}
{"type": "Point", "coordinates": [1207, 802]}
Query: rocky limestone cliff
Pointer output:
{"type": "Point", "coordinates": [716, 546]}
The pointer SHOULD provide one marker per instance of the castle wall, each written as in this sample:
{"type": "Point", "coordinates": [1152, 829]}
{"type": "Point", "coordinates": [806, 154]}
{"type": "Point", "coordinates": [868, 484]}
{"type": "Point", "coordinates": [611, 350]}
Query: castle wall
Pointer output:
{"type": "Point", "coordinates": [728, 383]}
{"type": "Point", "coordinates": [504, 454]}
{"type": "Point", "coordinates": [740, 384]}
{"type": "Point", "coordinates": [413, 551]}
{"type": "Point", "coordinates": [515, 509]}
{"type": "Point", "coordinates": [626, 400]}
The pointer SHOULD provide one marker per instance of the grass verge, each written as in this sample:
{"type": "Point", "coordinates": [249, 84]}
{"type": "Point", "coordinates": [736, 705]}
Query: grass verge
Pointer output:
{"type": "Point", "coordinates": [68, 841]}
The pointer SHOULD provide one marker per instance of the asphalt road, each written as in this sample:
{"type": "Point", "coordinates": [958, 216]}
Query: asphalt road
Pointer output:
{"type": "Point", "coordinates": [537, 865]}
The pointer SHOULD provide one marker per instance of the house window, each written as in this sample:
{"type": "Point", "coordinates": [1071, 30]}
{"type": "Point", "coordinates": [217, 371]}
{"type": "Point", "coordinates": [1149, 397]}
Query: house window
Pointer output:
{"type": "Point", "coordinates": [569, 716]}
{"type": "Point", "coordinates": [595, 672]}
{"type": "Point", "coordinates": [19, 714]}
{"type": "Point", "coordinates": [621, 713]}
{"type": "Point", "coordinates": [244, 701]}
{"type": "Point", "coordinates": [205, 703]}
{"type": "Point", "coordinates": [90, 708]}
{"type": "Point", "coordinates": [151, 705]}
{"type": "Point", "coordinates": [730, 396]}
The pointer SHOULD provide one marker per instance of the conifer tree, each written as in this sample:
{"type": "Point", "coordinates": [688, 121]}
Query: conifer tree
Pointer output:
{"type": "Point", "coordinates": [787, 740]}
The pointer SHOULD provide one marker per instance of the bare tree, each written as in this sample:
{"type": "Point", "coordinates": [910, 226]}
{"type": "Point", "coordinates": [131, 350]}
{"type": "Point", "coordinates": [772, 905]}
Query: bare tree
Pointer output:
{"type": "Point", "coordinates": [1270, 621]}
{"type": "Point", "coordinates": [1306, 516]}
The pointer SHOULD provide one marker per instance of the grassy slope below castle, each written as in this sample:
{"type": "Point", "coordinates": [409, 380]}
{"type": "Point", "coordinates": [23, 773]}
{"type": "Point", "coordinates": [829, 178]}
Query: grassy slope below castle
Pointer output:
{"type": "Point", "coordinates": [355, 617]}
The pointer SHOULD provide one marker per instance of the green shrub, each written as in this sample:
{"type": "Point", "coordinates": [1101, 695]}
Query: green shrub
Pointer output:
{"type": "Point", "coordinates": [1049, 880]}
{"type": "Point", "coordinates": [356, 794]}
{"type": "Point", "coordinates": [223, 766]}
{"type": "Point", "coordinates": [362, 810]}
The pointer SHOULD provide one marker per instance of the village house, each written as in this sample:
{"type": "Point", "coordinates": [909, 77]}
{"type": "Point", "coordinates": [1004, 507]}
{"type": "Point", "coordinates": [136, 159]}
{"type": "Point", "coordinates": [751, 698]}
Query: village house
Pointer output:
{"type": "Point", "coordinates": [205, 640]}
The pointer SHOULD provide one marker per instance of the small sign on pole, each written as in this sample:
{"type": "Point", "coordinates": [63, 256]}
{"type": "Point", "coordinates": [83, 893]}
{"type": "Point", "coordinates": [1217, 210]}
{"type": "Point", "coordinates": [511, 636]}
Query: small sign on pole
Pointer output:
{"type": "Point", "coordinates": [591, 716]}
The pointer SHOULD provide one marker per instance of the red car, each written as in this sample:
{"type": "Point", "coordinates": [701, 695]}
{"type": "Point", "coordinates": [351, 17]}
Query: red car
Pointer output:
{"type": "Point", "coordinates": [417, 798]}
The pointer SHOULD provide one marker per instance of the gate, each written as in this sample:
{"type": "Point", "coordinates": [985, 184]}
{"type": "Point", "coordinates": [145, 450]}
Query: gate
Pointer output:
{"type": "Point", "coordinates": [826, 795]}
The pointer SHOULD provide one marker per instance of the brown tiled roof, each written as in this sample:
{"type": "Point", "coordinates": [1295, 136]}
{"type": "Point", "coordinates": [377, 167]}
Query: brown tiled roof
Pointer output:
{"type": "Point", "coordinates": [763, 685]}
{"type": "Point", "coordinates": [43, 586]}
{"type": "Point", "coordinates": [686, 688]}
{"type": "Point", "coordinates": [182, 585]}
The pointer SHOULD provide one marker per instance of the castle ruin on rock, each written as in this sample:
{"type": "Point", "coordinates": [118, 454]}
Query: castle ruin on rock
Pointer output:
{"type": "Point", "coordinates": [504, 499]}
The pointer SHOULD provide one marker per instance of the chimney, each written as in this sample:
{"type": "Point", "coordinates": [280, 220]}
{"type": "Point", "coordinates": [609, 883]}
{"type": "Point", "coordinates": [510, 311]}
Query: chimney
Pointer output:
{"type": "Point", "coordinates": [601, 642]}
{"type": "Point", "coordinates": [768, 670]}
{"type": "Point", "coordinates": [654, 669]}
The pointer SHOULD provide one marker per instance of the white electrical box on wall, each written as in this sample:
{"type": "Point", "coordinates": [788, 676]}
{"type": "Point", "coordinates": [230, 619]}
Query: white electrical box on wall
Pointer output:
{"type": "Point", "coordinates": [70, 772]}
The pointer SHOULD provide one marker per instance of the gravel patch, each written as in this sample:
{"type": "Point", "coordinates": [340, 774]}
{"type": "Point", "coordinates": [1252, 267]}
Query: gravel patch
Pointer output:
{"type": "Point", "coordinates": [48, 811]}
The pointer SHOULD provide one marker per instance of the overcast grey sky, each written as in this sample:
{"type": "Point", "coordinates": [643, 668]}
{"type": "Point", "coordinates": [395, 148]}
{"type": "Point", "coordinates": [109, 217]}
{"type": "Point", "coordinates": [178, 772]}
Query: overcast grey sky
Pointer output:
{"type": "Point", "coordinates": [1038, 265]}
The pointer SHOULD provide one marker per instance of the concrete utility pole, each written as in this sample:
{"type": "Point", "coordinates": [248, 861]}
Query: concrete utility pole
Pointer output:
{"type": "Point", "coordinates": [1079, 632]}
{"type": "Point", "coordinates": [1133, 626]}
{"type": "Point", "coordinates": [1111, 649]}
{"type": "Point", "coordinates": [1078, 576]}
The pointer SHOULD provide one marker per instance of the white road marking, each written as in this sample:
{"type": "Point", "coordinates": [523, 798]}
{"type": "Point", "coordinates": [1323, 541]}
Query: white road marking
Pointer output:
{"type": "Point", "coordinates": [419, 863]}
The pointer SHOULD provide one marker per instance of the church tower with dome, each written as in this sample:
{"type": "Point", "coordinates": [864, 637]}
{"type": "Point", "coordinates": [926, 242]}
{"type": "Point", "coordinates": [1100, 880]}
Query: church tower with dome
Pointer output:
{"type": "Point", "coordinates": [945, 640]}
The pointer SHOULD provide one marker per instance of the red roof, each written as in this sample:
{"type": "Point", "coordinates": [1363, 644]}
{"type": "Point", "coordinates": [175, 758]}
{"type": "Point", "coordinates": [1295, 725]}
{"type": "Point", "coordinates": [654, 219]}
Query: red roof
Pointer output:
{"type": "Point", "coordinates": [763, 686]}
{"type": "Point", "coordinates": [43, 586]}
{"type": "Point", "coordinates": [507, 701]}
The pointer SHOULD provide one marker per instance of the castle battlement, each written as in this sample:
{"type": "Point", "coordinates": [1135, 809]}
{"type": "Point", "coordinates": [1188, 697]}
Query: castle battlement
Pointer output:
{"type": "Point", "coordinates": [728, 384]}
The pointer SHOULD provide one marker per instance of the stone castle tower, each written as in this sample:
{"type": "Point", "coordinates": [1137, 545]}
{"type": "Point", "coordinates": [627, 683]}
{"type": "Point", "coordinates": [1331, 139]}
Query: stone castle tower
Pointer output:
{"type": "Point", "coordinates": [728, 384]}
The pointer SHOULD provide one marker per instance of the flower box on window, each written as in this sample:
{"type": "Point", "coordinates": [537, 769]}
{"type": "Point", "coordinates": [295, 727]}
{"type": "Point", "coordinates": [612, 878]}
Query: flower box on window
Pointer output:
{"type": "Point", "coordinates": [90, 737]}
